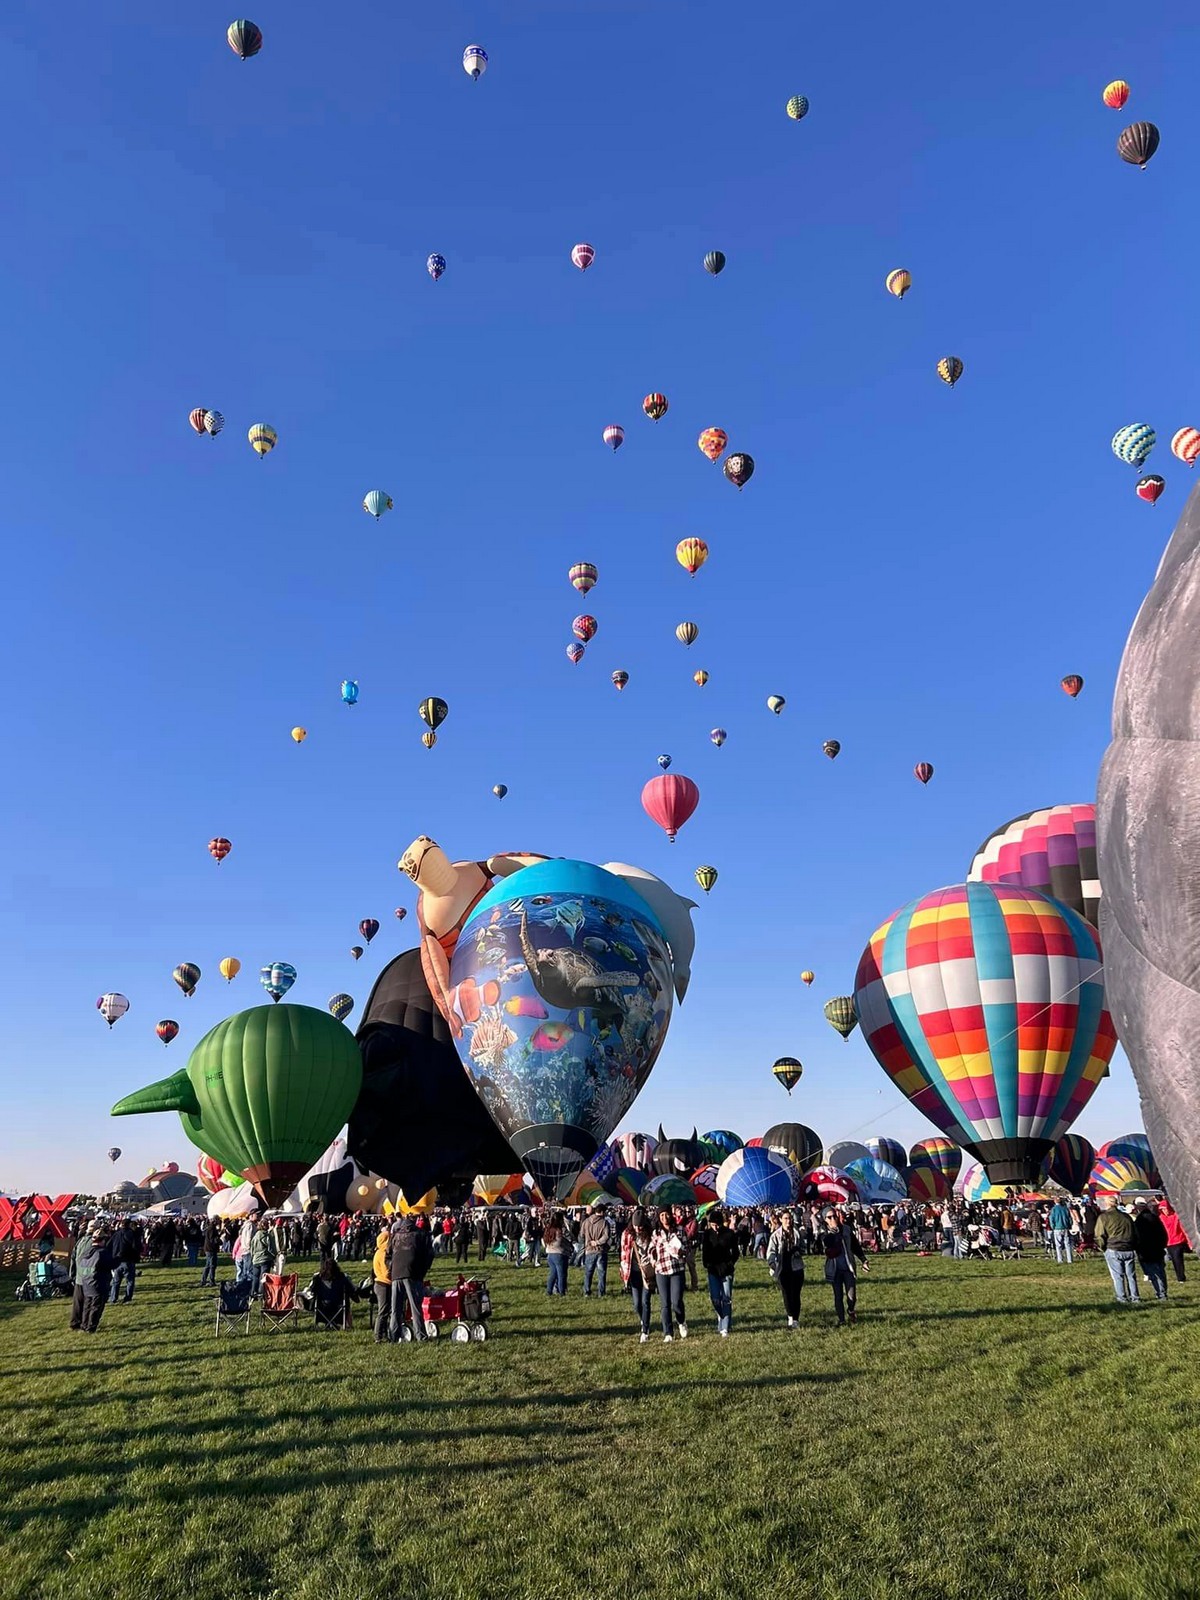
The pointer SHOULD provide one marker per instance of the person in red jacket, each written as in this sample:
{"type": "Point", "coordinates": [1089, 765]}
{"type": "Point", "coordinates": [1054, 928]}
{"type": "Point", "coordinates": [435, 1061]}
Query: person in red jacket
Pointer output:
{"type": "Point", "coordinates": [1177, 1239]}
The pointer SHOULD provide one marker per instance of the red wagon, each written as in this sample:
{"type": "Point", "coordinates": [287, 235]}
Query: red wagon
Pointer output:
{"type": "Point", "coordinates": [468, 1306]}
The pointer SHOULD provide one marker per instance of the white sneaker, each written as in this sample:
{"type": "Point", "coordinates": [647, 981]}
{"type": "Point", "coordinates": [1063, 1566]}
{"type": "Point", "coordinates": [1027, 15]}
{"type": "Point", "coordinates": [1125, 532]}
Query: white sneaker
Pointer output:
{"type": "Point", "coordinates": [791, 1322]}
{"type": "Point", "coordinates": [683, 1330]}
{"type": "Point", "coordinates": [666, 1338]}
{"type": "Point", "coordinates": [642, 1338]}
{"type": "Point", "coordinates": [724, 1332]}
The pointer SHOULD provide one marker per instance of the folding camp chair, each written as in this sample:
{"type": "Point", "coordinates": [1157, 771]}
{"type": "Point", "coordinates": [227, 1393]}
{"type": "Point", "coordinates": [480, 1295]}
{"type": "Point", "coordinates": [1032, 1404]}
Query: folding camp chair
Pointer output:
{"type": "Point", "coordinates": [233, 1306]}
{"type": "Point", "coordinates": [338, 1320]}
{"type": "Point", "coordinates": [279, 1308]}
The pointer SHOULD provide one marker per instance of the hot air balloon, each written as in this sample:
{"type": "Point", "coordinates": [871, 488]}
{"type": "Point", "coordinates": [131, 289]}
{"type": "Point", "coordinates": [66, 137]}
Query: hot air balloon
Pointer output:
{"type": "Point", "coordinates": [655, 406]}
{"type": "Point", "coordinates": [797, 107]}
{"type": "Point", "coordinates": [433, 712]}
{"type": "Point", "coordinates": [213, 423]}
{"type": "Point", "coordinates": [580, 1015]}
{"type": "Point", "coordinates": [620, 678]}
{"type": "Point", "coordinates": [674, 1157]}
{"type": "Point", "coordinates": [670, 801]}
{"type": "Point", "coordinates": [368, 927]}
{"type": "Point", "coordinates": [299, 735]}
{"type": "Point", "coordinates": [923, 771]}
{"type": "Point", "coordinates": [245, 38]}
{"type": "Point", "coordinates": [798, 1143]}
{"type": "Point", "coordinates": [718, 737]}
{"type": "Point", "coordinates": [1137, 143]}
{"type": "Point", "coordinates": [700, 678]}
{"type": "Point", "coordinates": [1150, 488]}
{"type": "Point", "coordinates": [229, 968]}
{"type": "Point", "coordinates": [218, 849]}
{"type": "Point", "coordinates": [1133, 1147]}
{"type": "Point", "coordinates": [584, 628]}
{"type": "Point", "coordinates": [475, 60]}
{"type": "Point", "coordinates": [775, 703]}
{"type": "Point", "coordinates": [196, 418]}
{"type": "Point", "coordinates": [831, 747]}
{"type": "Point", "coordinates": [435, 266]}
{"type": "Point", "coordinates": [499, 790]}
{"type": "Point", "coordinates": [1071, 1162]}
{"type": "Point", "coordinates": [583, 575]}
{"type": "Point", "coordinates": [691, 555]}
{"type": "Point", "coordinates": [950, 370]}
{"type": "Point", "coordinates": [1052, 850]}
{"type": "Point", "coordinates": [583, 255]}
{"type": "Point", "coordinates": [1117, 1175]}
{"type": "Point", "coordinates": [664, 761]}
{"type": "Point", "coordinates": [277, 979]}
{"type": "Point", "coordinates": [714, 262]}
{"type": "Point", "coordinates": [712, 442]}
{"type": "Point", "coordinates": [187, 976]}
{"type": "Point", "coordinates": [687, 633]}
{"type": "Point", "coordinates": [888, 1150]}
{"type": "Point", "coordinates": [788, 1071]}
{"type": "Point", "coordinates": [841, 1014]}
{"type": "Point", "coordinates": [807, 977]}
{"type": "Point", "coordinates": [401, 913]}
{"type": "Point", "coordinates": [166, 1030]}
{"type": "Point", "coordinates": [575, 654]}
{"type": "Point", "coordinates": [878, 1182]}
{"type": "Point", "coordinates": [939, 1155]}
{"type": "Point", "coordinates": [376, 502]}
{"type": "Point", "coordinates": [898, 282]}
{"type": "Point", "coordinates": [115, 1153]}
{"type": "Point", "coordinates": [350, 691]}
{"type": "Point", "coordinates": [614, 436]}
{"type": "Point", "coordinates": [706, 877]}
{"type": "Point", "coordinates": [739, 469]}
{"type": "Point", "coordinates": [263, 1093]}
{"type": "Point", "coordinates": [1072, 684]}
{"type": "Point", "coordinates": [984, 1004]}
{"type": "Point", "coordinates": [356, 951]}
{"type": "Point", "coordinates": [1133, 443]}
{"type": "Point", "coordinates": [756, 1176]}
{"type": "Point", "coordinates": [1186, 445]}
{"type": "Point", "coordinates": [1115, 95]}
{"type": "Point", "coordinates": [429, 739]}
{"type": "Point", "coordinates": [263, 439]}
{"type": "Point", "coordinates": [341, 1005]}
{"type": "Point", "coordinates": [926, 1185]}
{"type": "Point", "coordinates": [112, 1007]}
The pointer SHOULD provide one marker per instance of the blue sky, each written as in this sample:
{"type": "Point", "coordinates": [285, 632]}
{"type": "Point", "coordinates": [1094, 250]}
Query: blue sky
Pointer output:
{"type": "Point", "coordinates": [914, 568]}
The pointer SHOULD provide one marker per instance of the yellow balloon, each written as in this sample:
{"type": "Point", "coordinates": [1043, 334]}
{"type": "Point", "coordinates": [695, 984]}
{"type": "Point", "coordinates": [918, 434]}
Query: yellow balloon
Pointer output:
{"type": "Point", "coordinates": [263, 438]}
{"type": "Point", "coordinates": [299, 734]}
{"type": "Point", "coordinates": [691, 555]}
{"type": "Point", "coordinates": [899, 282]}
{"type": "Point", "coordinates": [230, 968]}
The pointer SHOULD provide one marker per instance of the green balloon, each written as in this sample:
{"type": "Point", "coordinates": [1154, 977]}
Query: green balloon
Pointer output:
{"type": "Point", "coordinates": [263, 1093]}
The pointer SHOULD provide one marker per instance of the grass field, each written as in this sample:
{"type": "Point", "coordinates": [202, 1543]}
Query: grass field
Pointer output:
{"type": "Point", "coordinates": [997, 1432]}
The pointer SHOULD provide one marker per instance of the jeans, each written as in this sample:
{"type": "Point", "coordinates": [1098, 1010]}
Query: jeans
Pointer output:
{"type": "Point", "coordinates": [383, 1302]}
{"type": "Point", "coordinates": [209, 1275]}
{"type": "Point", "coordinates": [720, 1292]}
{"type": "Point", "coordinates": [845, 1291]}
{"type": "Point", "coordinates": [790, 1285]}
{"type": "Point", "coordinates": [670, 1300]}
{"type": "Point", "coordinates": [407, 1293]}
{"type": "Point", "coordinates": [1175, 1251]}
{"type": "Point", "coordinates": [193, 1250]}
{"type": "Point", "coordinates": [1124, 1277]}
{"type": "Point", "coordinates": [556, 1277]}
{"type": "Point", "coordinates": [640, 1295]}
{"type": "Point", "coordinates": [126, 1272]}
{"type": "Point", "coordinates": [1156, 1271]}
{"type": "Point", "coordinates": [593, 1260]}
{"type": "Point", "coordinates": [1063, 1249]}
{"type": "Point", "coordinates": [255, 1274]}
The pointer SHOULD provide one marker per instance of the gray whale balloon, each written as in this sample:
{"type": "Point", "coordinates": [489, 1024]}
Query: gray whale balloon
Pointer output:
{"type": "Point", "coordinates": [1148, 830]}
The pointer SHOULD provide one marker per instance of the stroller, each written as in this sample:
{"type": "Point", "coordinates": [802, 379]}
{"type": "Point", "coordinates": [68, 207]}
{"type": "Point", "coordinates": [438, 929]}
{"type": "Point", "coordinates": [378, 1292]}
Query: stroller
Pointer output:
{"type": "Point", "coordinates": [45, 1280]}
{"type": "Point", "coordinates": [468, 1305]}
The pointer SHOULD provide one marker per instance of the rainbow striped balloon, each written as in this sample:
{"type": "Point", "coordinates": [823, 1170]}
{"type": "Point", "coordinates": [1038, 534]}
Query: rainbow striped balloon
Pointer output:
{"type": "Point", "coordinates": [939, 1155]}
{"type": "Point", "coordinates": [1116, 1174]}
{"type": "Point", "coordinates": [984, 1003]}
{"type": "Point", "coordinates": [1070, 1162]}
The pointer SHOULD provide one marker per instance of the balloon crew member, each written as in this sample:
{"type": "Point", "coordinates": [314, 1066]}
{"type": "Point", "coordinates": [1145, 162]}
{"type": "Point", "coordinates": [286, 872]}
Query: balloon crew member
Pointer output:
{"type": "Point", "coordinates": [785, 1263]}
{"type": "Point", "coordinates": [842, 1249]}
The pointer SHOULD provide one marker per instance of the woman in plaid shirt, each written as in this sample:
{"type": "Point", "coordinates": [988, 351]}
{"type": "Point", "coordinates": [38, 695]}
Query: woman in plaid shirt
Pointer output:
{"type": "Point", "coordinates": [667, 1258]}
{"type": "Point", "coordinates": [637, 1269]}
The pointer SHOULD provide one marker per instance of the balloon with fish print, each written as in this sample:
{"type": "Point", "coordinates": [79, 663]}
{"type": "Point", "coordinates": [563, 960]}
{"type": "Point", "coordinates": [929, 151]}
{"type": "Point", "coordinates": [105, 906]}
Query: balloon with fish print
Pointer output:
{"type": "Point", "coordinates": [560, 995]}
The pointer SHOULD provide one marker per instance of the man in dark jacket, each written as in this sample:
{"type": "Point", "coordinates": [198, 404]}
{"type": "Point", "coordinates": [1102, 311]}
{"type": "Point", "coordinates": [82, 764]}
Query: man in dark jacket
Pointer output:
{"type": "Point", "coordinates": [482, 1235]}
{"type": "Point", "coordinates": [1114, 1235]}
{"type": "Point", "coordinates": [842, 1249]}
{"type": "Point", "coordinates": [462, 1237]}
{"type": "Point", "coordinates": [411, 1258]}
{"type": "Point", "coordinates": [594, 1238]}
{"type": "Point", "coordinates": [212, 1248]}
{"type": "Point", "coordinates": [93, 1277]}
{"type": "Point", "coordinates": [124, 1247]}
{"type": "Point", "coordinates": [719, 1252]}
{"type": "Point", "coordinates": [1150, 1246]}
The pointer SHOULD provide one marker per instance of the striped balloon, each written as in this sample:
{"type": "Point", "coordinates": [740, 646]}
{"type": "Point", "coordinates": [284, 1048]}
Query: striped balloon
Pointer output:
{"type": "Point", "coordinates": [898, 282]}
{"type": "Point", "coordinates": [985, 1006]}
{"type": "Point", "coordinates": [1052, 850]}
{"type": "Point", "coordinates": [1186, 445]}
{"type": "Point", "coordinates": [1133, 443]}
{"type": "Point", "coordinates": [889, 1150]}
{"type": "Point", "coordinates": [757, 1177]}
{"type": "Point", "coordinates": [1133, 1147]}
{"type": "Point", "coordinates": [583, 575]}
{"type": "Point", "coordinates": [939, 1155]}
{"type": "Point", "coordinates": [1116, 1174]}
{"type": "Point", "coordinates": [1071, 1162]}
{"type": "Point", "coordinates": [926, 1184]}
{"type": "Point", "coordinates": [974, 1184]}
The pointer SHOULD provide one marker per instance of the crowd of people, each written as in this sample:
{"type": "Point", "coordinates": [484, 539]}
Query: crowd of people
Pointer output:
{"type": "Point", "coordinates": [656, 1251]}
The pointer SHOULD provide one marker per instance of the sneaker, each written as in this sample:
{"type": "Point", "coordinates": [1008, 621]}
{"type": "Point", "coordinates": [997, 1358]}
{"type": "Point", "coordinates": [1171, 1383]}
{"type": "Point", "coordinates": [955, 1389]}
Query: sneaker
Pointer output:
{"type": "Point", "coordinates": [683, 1330]}
{"type": "Point", "coordinates": [791, 1322]}
{"type": "Point", "coordinates": [642, 1338]}
{"type": "Point", "coordinates": [666, 1338]}
{"type": "Point", "coordinates": [724, 1332]}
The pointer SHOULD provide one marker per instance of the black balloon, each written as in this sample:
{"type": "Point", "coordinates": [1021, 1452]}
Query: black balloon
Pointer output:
{"type": "Point", "coordinates": [1137, 143]}
{"type": "Point", "coordinates": [678, 1157]}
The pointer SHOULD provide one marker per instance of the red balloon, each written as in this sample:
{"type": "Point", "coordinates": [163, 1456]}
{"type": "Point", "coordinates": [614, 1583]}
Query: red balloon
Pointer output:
{"type": "Point", "coordinates": [923, 771]}
{"type": "Point", "coordinates": [219, 849]}
{"type": "Point", "coordinates": [166, 1030]}
{"type": "Point", "coordinates": [670, 800]}
{"type": "Point", "coordinates": [368, 927]}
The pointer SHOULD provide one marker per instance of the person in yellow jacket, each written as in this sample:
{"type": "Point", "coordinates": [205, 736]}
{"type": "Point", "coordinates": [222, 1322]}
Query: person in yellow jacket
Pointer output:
{"type": "Point", "coordinates": [383, 1285]}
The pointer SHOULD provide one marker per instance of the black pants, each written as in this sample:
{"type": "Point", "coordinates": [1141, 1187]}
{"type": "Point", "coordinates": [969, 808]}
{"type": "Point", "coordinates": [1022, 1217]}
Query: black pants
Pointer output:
{"type": "Point", "coordinates": [383, 1309]}
{"type": "Point", "coordinates": [1175, 1251]}
{"type": "Point", "coordinates": [462, 1250]}
{"type": "Point", "coordinates": [790, 1285]}
{"type": "Point", "coordinates": [845, 1293]}
{"type": "Point", "coordinates": [87, 1308]}
{"type": "Point", "coordinates": [483, 1249]}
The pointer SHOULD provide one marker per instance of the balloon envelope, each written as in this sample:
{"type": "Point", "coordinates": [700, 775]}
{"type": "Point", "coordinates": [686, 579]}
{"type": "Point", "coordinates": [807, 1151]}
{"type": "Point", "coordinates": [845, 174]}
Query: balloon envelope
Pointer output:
{"type": "Point", "coordinates": [1071, 1162]}
{"type": "Point", "coordinates": [941, 1155]}
{"type": "Point", "coordinates": [757, 1177]}
{"type": "Point", "coordinates": [1052, 850]}
{"type": "Point", "coordinates": [798, 1143]}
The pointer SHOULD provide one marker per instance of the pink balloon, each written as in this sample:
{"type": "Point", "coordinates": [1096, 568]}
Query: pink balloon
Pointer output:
{"type": "Point", "coordinates": [670, 800]}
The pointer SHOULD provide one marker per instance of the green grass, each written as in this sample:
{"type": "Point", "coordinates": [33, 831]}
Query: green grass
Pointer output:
{"type": "Point", "coordinates": [996, 1432]}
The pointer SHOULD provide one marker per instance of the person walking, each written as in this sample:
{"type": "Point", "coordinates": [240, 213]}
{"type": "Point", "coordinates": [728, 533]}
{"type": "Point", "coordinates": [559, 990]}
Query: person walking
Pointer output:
{"type": "Point", "coordinates": [558, 1248]}
{"type": "Point", "coordinates": [594, 1235]}
{"type": "Point", "coordinates": [124, 1247]}
{"type": "Point", "coordinates": [637, 1268]}
{"type": "Point", "coordinates": [462, 1238]}
{"type": "Point", "coordinates": [719, 1253]}
{"type": "Point", "coordinates": [842, 1248]}
{"type": "Point", "coordinates": [212, 1248]}
{"type": "Point", "coordinates": [785, 1263]}
{"type": "Point", "coordinates": [1060, 1233]}
{"type": "Point", "coordinates": [667, 1256]}
{"type": "Point", "coordinates": [482, 1235]}
{"type": "Point", "coordinates": [383, 1286]}
{"type": "Point", "coordinates": [1114, 1235]}
{"type": "Point", "coordinates": [1150, 1246]}
{"type": "Point", "coordinates": [93, 1278]}
{"type": "Point", "coordinates": [1177, 1239]}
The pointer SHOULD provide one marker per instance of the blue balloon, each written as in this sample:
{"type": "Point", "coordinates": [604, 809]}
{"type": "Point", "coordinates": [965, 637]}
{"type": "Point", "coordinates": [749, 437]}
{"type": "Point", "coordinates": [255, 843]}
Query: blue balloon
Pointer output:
{"type": "Point", "coordinates": [350, 691]}
{"type": "Point", "coordinates": [877, 1181]}
{"type": "Point", "coordinates": [757, 1177]}
{"type": "Point", "coordinates": [435, 266]}
{"type": "Point", "coordinates": [561, 995]}
{"type": "Point", "coordinates": [721, 1139]}
{"type": "Point", "coordinates": [277, 979]}
{"type": "Point", "coordinates": [889, 1150]}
